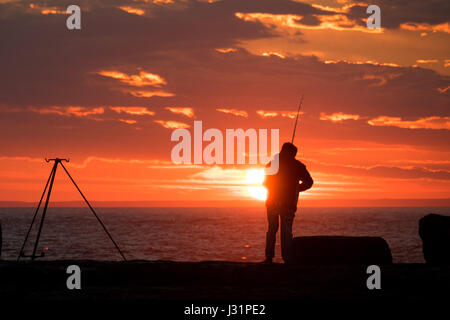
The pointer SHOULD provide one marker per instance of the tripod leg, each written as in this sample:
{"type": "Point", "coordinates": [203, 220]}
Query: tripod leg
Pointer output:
{"type": "Point", "coordinates": [95, 214]}
{"type": "Point", "coordinates": [35, 214]}
{"type": "Point", "coordinates": [55, 166]}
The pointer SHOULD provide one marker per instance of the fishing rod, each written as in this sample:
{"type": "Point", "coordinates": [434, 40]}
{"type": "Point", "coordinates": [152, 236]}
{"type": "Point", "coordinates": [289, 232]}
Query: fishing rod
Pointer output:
{"type": "Point", "coordinates": [296, 119]}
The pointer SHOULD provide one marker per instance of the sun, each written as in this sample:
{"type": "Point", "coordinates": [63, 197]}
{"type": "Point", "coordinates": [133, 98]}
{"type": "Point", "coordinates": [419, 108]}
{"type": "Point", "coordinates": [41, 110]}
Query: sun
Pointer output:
{"type": "Point", "coordinates": [254, 179]}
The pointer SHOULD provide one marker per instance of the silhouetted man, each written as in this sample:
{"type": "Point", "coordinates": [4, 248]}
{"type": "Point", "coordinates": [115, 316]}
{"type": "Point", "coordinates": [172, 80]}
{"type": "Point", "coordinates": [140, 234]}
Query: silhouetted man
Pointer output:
{"type": "Point", "coordinates": [283, 189]}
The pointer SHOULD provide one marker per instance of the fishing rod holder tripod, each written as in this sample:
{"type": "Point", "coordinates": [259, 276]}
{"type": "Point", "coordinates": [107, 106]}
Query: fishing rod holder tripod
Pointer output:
{"type": "Point", "coordinates": [49, 185]}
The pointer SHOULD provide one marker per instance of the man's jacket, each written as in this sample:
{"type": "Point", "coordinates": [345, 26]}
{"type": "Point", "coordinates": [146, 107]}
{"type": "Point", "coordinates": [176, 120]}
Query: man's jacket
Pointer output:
{"type": "Point", "coordinates": [284, 186]}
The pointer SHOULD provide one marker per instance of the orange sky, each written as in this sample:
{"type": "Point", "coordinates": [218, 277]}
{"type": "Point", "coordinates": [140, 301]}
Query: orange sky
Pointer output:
{"type": "Point", "coordinates": [375, 122]}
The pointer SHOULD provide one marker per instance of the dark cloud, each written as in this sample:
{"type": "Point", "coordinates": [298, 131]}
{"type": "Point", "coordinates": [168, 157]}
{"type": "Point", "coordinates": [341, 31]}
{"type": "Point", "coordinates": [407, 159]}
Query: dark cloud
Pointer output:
{"type": "Point", "coordinates": [396, 12]}
{"type": "Point", "coordinates": [43, 64]}
{"type": "Point", "coordinates": [381, 171]}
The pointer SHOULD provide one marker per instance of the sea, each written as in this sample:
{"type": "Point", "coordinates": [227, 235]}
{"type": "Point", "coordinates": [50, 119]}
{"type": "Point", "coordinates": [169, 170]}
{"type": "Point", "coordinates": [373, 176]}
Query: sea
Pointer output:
{"type": "Point", "coordinates": [199, 234]}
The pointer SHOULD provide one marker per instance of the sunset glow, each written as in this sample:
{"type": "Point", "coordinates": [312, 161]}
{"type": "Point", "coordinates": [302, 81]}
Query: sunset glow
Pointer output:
{"type": "Point", "coordinates": [255, 179]}
{"type": "Point", "coordinates": [374, 126]}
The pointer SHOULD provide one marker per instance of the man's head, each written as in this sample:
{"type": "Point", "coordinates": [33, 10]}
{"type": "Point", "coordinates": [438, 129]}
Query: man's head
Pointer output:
{"type": "Point", "coordinates": [288, 150]}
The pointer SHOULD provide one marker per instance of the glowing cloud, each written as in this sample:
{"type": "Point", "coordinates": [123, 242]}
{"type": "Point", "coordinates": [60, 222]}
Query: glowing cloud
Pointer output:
{"type": "Point", "coordinates": [47, 10]}
{"type": "Point", "coordinates": [374, 63]}
{"type": "Point", "coordinates": [290, 22]}
{"type": "Point", "coordinates": [443, 90]}
{"type": "Point", "coordinates": [289, 114]}
{"type": "Point", "coordinates": [235, 112]}
{"type": "Point", "coordinates": [162, 1]}
{"type": "Point", "coordinates": [444, 27]}
{"type": "Point", "coordinates": [436, 123]}
{"type": "Point", "coordinates": [138, 111]}
{"type": "Point", "coordinates": [172, 124]}
{"type": "Point", "coordinates": [128, 121]}
{"type": "Point", "coordinates": [188, 112]}
{"type": "Point", "coordinates": [136, 80]}
{"type": "Point", "coordinates": [425, 61]}
{"type": "Point", "coordinates": [225, 50]}
{"type": "Point", "coordinates": [132, 10]}
{"type": "Point", "coordinates": [69, 111]}
{"type": "Point", "coordinates": [267, 114]}
{"type": "Point", "coordinates": [382, 79]}
{"type": "Point", "coordinates": [338, 116]}
{"type": "Point", "coordinates": [149, 94]}
{"type": "Point", "coordinates": [271, 53]}
{"type": "Point", "coordinates": [271, 114]}
{"type": "Point", "coordinates": [331, 9]}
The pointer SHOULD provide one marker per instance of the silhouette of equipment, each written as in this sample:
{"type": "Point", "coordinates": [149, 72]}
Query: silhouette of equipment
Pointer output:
{"type": "Point", "coordinates": [340, 250]}
{"type": "Point", "coordinates": [434, 230]}
{"type": "Point", "coordinates": [49, 185]}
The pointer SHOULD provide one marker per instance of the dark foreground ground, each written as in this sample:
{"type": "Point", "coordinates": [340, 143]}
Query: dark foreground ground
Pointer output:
{"type": "Point", "coordinates": [161, 283]}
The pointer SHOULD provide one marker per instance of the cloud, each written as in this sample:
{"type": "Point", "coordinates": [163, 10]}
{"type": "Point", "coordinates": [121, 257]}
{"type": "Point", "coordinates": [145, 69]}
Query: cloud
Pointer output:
{"type": "Point", "coordinates": [436, 123]}
{"type": "Point", "coordinates": [225, 50]}
{"type": "Point", "coordinates": [148, 93]}
{"type": "Point", "coordinates": [443, 90]}
{"type": "Point", "coordinates": [267, 114]}
{"type": "Point", "coordinates": [133, 10]}
{"type": "Point", "coordinates": [400, 14]}
{"type": "Point", "coordinates": [395, 14]}
{"type": "Point", "coordinates": [128, 121]}
{"type": "Point", "coordinates": [380, 171]}
{"type": "Point", "coordinates": [137, 80]}
{"type": "Point", "coordinates": [272, 113]}
{"type": "Point", "coordinates": [289, 23]}
{"type": "Point", "coordinates": [172, 124]}
{"type": "Point", "coordinates": [47, 10]}
{"type": "Point", "coordinates": [272, 53]}
{"type": "Point", "coordinates": [162, 1]}
{"type": "Point", "coordinates": [69, 111]}
{"type": "Point", "coordinates": [235, 112]}
{"type": "Point", "coordinates": [374, 63]}
{"type": "Point", "coordinates": [344, 9]}
{"type": "Point", "coordinates": [444, 27]}
{"type": "Point", "coordinates": [426, 61]}
{"type": "Point", "coordinates": [139, 111]}
{"type": "Point", "coordinates": [28, 159]}
{"type": "Point", "coordinates": [381, 80]}
{"type": "Point", "coordinates": [143, 79]}
{"type": "Point", "coordinates": [185, 111]}
{"type": "Point", "coordinates": [90, 159]}
{"type": "Point", "coordinates": [184, 55]}
{"type": "Point", "coordinates": [338, 116]}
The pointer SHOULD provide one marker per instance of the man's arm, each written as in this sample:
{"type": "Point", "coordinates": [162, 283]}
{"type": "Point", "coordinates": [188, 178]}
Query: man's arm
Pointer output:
{"type": "Point", "coordinates": [305, 178]}
{"type": "Point", "coordinates": [266, 176]}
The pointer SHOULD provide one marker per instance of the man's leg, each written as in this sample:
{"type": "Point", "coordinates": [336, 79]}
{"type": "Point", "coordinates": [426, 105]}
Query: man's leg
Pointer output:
{"type": "Point", "coordinates": [272, 219]}
{"type": "Point", "coordinates": [286, 235]}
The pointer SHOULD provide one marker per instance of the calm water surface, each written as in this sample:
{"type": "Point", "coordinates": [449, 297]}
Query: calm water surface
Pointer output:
{"type": "Point", "coordinates": [196, 234]}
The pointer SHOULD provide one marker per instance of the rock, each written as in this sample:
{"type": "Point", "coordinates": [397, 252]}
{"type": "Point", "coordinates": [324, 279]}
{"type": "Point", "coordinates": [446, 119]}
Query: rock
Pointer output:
{"type": "Point", "coordinates": [434, 230]}
{"type": "Point", "coordinates": [340, 250]}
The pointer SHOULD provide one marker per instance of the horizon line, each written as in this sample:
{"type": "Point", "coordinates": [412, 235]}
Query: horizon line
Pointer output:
{"type": "Point", "coordinates": [307, 203]}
